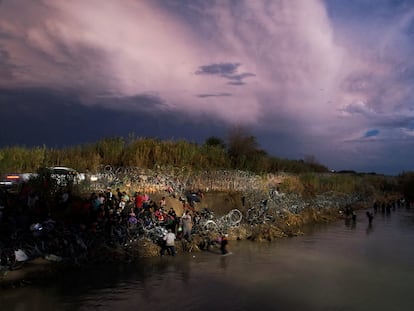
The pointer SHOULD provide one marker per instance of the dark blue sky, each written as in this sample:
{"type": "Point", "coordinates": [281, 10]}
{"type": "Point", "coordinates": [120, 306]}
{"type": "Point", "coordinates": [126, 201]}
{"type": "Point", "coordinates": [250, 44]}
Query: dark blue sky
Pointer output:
{"type": "Point", "coordinates": [332, 79]}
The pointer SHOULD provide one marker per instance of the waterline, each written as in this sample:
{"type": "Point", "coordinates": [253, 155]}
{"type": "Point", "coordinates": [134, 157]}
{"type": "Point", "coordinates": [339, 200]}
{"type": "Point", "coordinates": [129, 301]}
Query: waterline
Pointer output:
{"type": "Point", "coordinates": [340, 266]}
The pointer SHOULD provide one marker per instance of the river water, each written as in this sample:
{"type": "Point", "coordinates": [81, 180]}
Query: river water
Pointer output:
{"type": "Point", "coordinates": [338, 266]}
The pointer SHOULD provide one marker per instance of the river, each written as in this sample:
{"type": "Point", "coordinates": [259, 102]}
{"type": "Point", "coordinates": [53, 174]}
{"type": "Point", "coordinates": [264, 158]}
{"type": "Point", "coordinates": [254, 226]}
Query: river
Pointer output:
{"type": "Point", "coordinates": [337, 266]}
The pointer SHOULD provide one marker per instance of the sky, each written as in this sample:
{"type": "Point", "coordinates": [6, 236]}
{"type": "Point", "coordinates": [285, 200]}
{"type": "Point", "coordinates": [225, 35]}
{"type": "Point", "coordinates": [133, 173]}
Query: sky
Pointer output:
{"type": "Point", "coordinates": [330, 79]}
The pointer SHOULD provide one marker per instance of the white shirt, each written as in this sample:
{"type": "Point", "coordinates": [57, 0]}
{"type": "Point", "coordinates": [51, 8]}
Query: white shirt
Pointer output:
{"type": "Point", "coordinates": [186, 219]}
{"type": "Point", "coordinates": [169, 238]}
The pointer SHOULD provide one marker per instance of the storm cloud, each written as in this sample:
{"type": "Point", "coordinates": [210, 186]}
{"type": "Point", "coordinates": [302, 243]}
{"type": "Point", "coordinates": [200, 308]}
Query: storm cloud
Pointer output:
{"type": "Point", "coordinates": [307, 76]}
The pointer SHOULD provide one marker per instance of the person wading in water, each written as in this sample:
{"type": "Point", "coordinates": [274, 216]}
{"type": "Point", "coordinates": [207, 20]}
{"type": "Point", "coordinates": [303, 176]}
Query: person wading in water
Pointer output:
{"type": "Point", "coordinates": [223, 244]}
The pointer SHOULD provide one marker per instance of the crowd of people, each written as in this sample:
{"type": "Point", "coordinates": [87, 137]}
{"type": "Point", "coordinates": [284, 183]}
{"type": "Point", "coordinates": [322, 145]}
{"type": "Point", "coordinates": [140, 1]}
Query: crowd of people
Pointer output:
{"type": "Point", "coordinates": [110, 210]}
{"type": "Point", "coordinates": [114, 214]}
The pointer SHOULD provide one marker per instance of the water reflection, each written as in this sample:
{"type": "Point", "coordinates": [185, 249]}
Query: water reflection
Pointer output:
{"type": "Point", "coordinates": [342, 266]}
{"type": "Point", "coordinates": [370, 228]}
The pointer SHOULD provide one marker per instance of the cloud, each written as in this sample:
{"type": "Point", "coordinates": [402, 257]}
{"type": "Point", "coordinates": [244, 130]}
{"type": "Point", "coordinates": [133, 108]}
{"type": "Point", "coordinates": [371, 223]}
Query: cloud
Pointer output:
{"type": "Point", "coordinates": [237, 79]}
{"type": "Point", "coordinates": [358, 107]}
{"type": "Point", "coordinates": [225, 70]}
{"type": "Point", "coordinates": [143, 102]}
{"type": "Point", "coordinates": [320, 73]}
{"type": "Point", "coordinates": [371, 133]}
{"type": "Point", "coordinates": [36, 120]}
{"type": "Point", "coordinates": [218, 69]}
{"type": "Point", "coordinates": [214, 95]}
{"type": "Point", "coordinates": [6, 68]}
{"type": "Point", "coordinates": [77, 46]}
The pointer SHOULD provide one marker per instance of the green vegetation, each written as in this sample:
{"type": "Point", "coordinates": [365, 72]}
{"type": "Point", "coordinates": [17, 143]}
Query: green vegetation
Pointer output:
{"type": "Point", "coordinates": [239, 152]}
{"type": "Point", "coordinates": [406, 185]}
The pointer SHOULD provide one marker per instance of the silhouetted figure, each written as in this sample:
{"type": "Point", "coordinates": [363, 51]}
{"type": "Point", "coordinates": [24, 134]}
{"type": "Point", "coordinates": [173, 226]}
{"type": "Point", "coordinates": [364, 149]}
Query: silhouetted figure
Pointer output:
{"type": "Point", "coordinates": [375, 206]}
{"type": "Point", "coordinates": [388, 208]}
{"type": "Point", "coordinates": [348, 211]}
{"type": "Point", "coordinates": [223, 245]}
{"type": "Point", "coordinates": [370, 217]}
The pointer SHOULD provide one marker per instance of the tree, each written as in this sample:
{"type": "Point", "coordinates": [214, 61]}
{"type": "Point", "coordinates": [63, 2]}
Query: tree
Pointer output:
{"type": "Point", "coordinates": [313, 164]}
{"type": "Point", "coordinates": [310, 159]}
{"type": "Point", "coordinates": [242, 147]}
{"type": "Point", "coordinates": [406, 185]}
{"type": "Point", "coordinates": [214, 141]}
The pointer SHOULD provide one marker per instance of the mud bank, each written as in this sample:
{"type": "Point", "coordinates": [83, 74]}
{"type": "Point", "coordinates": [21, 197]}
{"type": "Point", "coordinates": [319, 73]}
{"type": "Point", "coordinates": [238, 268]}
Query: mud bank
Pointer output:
{"type": "Point", "coordinates": [287, 225]}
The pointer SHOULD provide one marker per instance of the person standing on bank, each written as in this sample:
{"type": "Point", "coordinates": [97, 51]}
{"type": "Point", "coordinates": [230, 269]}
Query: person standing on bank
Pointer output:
{"type": "Point", "coordinates": [169, 243]}
{"type": "Point", "coordinates": [186, 224]}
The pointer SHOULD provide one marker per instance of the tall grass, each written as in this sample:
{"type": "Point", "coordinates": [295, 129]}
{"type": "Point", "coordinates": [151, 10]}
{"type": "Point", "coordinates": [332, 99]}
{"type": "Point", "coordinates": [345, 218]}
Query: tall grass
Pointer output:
{"type": "Point", "coordinates": [20, 159]}
{"type": "Point", "coordinates": [191, 158]}
{"type": "Point", "coordinates": [152, 152]}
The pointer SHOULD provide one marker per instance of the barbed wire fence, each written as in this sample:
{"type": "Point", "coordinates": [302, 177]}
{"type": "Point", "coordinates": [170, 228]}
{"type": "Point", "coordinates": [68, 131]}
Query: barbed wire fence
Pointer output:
{"type": "Point", "coordinates": [262, 201]}
{"type": "Point", "coordinates": [179, 179]}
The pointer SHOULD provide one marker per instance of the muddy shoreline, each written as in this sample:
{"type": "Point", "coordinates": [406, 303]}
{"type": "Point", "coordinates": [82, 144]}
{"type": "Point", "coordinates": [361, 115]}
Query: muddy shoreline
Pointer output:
{"type": "Point", "coordinates": [291, 225]}
{"type": "Point", "coordinates": [41, 270]}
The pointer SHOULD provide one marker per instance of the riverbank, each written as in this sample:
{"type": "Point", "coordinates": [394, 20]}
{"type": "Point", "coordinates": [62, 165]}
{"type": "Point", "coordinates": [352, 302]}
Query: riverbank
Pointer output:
{"type": "Point", "coordinates": [287, 224]}
{"type": "Point", "coordinates": [324, 269]}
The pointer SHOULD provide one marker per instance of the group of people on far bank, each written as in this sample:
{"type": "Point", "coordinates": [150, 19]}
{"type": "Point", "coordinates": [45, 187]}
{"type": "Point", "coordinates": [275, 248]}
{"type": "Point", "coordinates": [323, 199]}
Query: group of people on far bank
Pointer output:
{"type": "Point", "coordinates": [113, 214]}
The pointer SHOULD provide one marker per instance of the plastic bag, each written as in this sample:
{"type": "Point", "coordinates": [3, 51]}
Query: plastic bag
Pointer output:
{"type": "Point", "coordinates": [20, 255]}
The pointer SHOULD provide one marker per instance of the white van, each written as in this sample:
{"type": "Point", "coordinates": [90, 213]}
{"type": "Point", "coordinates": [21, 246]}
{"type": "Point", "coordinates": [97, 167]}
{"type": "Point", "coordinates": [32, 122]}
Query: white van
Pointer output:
{"type": "Point", "coordinates": [63, 175]}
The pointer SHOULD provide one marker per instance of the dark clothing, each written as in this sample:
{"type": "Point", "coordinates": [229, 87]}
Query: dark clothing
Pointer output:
{"type": "Point", "coordinates": [370, 217]}
{"type": "Point", "coordinates": [170, 250]}
{"type": "Point", "coordinates": [223, 245]}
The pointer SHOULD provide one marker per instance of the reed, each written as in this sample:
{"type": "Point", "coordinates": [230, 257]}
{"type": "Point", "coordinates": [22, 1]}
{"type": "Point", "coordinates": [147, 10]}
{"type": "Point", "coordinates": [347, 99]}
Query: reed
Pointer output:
{"type": "Point", "coordinates": [189, 157]}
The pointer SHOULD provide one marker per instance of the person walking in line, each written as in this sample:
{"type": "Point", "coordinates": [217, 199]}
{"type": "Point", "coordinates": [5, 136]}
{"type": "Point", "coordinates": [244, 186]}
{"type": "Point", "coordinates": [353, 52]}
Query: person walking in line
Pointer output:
{"type": "Point", "coordinates": [370, 217]}
{"type": "Point", "coordinates": [169, 243]}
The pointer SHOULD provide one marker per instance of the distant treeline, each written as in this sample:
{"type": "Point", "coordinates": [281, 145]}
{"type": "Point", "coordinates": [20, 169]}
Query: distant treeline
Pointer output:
{"type": "Point", "coordinates": [240, 152]}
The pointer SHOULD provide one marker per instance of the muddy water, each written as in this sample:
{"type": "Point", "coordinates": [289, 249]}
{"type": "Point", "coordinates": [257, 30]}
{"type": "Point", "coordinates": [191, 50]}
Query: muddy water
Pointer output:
{"type": "Point", "coordinates": [340, 266]}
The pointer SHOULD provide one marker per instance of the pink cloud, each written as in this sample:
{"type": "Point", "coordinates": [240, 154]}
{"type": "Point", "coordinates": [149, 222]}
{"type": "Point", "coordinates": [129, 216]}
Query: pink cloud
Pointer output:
{"type": "Point", "coordinates": [293, 62]}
